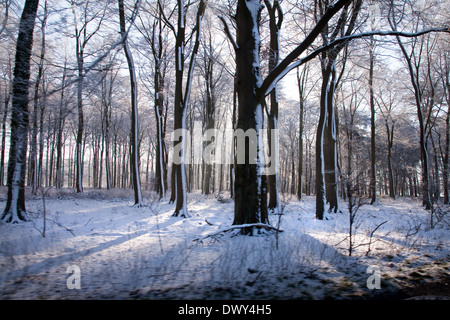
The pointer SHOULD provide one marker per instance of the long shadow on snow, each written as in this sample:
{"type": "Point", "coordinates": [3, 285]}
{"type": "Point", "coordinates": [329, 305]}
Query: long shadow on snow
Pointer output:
{"type": "Point", "coordinates": [324, 262]}
{"type": "Point", "coordinates": [52, 262]}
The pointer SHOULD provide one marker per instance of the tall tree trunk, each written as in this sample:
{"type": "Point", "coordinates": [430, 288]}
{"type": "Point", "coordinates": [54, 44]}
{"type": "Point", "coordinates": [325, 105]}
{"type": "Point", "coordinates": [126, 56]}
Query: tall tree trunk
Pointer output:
{"type": "Point", "coordinates": [426, 192]}
{"type": "Point", "coordinates": [178, 169]}
{"type": "Point", "coordinates": [390, 135]}
{"type": "Point", "coordinates": [79, 137]}
{"type": "Point", "coordinates": [34, 167]}
{"type": "Point", "coordinates": [330, 143]}
{"type": "Point", "coordinates": [301, 83]}
{"type": "Point", "coordinates": [426, 197]}
{"type": "Point", "coordinates": [320, 158]}
{"type": "Point", "coordinates": [6, 101]}
{"type": "Point", "coordinates": [182, 102]}
{"type": "Point", "coordinates": [60, 127]}
{"type": "Point", "coordinates": [250, 185]}
{"type": "Point", "coordinates": [326, 154]}
{"type": "Point", "coordinates": [134, 111]}
{"type": "Point", "coordinates": [15, 203]}
{"type": "Point", "coordinates": [373, 166]}
{"type": "Point", "coordinates": [445, 159]}
{"type": "Point", "coordinates": [160, 112]}
{"type": "Point", "coordinates": [209, 114]}
{"type": "Point", "coordinates": [276, 20]}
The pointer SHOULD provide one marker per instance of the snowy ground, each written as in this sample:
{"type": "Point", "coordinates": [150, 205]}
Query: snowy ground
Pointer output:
{"type": "Point", "coordinates": [127, 252]}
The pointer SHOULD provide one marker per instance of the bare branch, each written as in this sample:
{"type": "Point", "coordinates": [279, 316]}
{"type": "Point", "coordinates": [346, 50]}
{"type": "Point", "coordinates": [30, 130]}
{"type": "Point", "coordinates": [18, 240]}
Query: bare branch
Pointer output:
{"type": "Point", "coordinates": [166, 21]}
{"type": "Point", "coordinates": [284, 68]}
{"type": "Point", "coordinates": [240, 226]}
{"type": "Point", "coordinates": [228, 33]}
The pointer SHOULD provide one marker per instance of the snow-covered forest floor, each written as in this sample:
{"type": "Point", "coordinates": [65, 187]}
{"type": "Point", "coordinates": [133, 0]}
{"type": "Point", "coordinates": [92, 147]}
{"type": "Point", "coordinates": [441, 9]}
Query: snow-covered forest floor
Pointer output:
{"type": "Point", "coordinates": [127, 252]}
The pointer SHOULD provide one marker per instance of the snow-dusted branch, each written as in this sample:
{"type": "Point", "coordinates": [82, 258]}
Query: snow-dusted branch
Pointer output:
{"type": "Point", "coordinates": [280, 70]}
{"type": "Point", "coordinates": [288, 63]}
{"type": "Point", "coordinates": [166, 20]}
{"type": "Point", "coordinates": [238, 226]}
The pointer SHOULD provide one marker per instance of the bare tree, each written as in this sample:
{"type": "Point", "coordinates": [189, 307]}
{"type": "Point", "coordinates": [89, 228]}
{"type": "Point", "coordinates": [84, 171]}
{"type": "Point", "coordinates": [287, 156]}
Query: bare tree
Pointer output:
{"type": "Point", "coordinates": [302, 78]}
{"type": "Point", "coordinates": [275, 23]}
{"type": "Point", "coordinates": [134, 108]}
{"type": "Point", "coordinates": [385, 105]}
{"type": "Point", "coordinates": [444, 61]}
{"type": "Point", "coordinates": [326, 143]}
{"type": "Point", "coordinates": [7, 93]}
{"type": "Point", "coordinates": [182, 95]}
{"type": "Point", "coordinates": [82, 39]}
{"type": "Point", "coordinates": [395, 17]}
{"type": "Point", "coordinates": [159, 53]}
{"type": "Point", "coordinates": [211, 80]}
{"type": "Point", "coordinates": [250, 187]}
{"type": "Point", "coordinates": [15, 203]}
{"type": "Point", "coordinates": [37, 110]}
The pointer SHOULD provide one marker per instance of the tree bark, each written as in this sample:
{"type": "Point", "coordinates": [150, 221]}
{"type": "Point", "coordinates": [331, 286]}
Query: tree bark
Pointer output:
{"type": "Point", "coordinates": [250, 185]}
{"type": "Point", "coordinates": [373, 166]}
{"type": "Point", "coordinates": [446, 157]}
{"type": "Point", "coordinates": [160, 112]}
{"type": "Point", "coordinates": [209, 111]}
{"type": "Point", "coordinates": [182, 102]}
{"type": "Point", "coordinates": [275, 22]}
{"type": "Point", "coordinates": [301, 82]}
{"type": "Point", "coordinates": [60, 127]}
{"type": "Point", "coordinates": [6, 101]}
{"type": "Point", "coordinates": [426, 195]}
{"type": "Point", "coordinates": [320, 160]}
{"type": "Point", "coordinates": [330, 141]}
{"type": "Point", "coordinates": [134, 111]}
{"type": "Point", "coordinates": [34, 167]}
{"type": "Point", "coordinates": [79, 137]}
{"type": "Point", "coordinates": [15, 203]}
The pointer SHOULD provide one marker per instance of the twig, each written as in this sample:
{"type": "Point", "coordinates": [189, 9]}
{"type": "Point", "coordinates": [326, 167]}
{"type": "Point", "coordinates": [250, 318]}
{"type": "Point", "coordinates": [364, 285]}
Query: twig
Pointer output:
{"type": "Point", "coordinates": [60, 225]}
{"type": "Point", "coordinates": [371, 235]}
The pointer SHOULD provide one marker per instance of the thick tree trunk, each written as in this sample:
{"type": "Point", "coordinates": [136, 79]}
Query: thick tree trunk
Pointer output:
{"type": "Point", "coordinates": [178, 169]}
{"type": "Point", "coordinates": [15, 203]}
{"type": "Point", "coordinates": [250, 184]}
